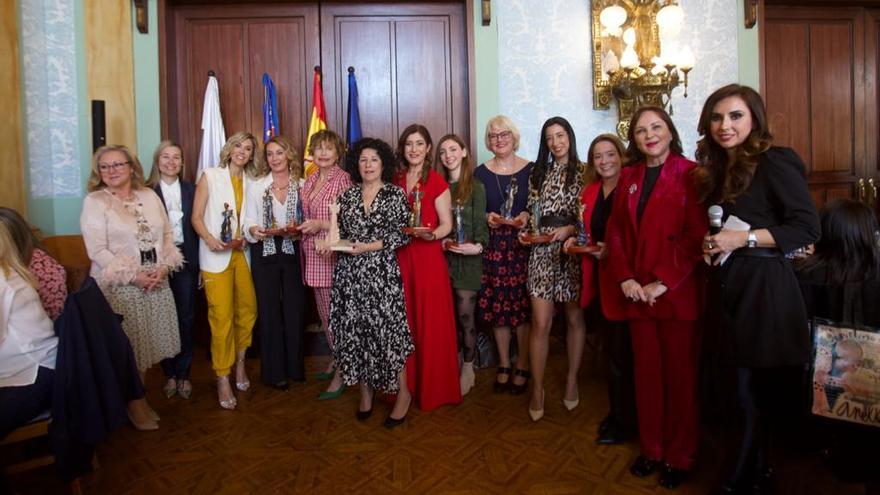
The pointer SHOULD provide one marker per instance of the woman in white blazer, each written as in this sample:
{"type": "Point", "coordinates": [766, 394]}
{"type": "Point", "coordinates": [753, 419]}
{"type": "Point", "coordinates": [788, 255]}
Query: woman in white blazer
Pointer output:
{"type": "Point", "coordinates": [221, 197]}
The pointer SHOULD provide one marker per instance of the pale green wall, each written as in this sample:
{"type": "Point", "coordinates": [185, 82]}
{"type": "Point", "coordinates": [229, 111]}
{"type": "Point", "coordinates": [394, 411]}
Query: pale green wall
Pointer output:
{"type": "Point", "coordinates": [747, 50]}
{"type": "Point", "coordinates": [486, 67]}
{"type": "Point", "coordinates": [146, 86]}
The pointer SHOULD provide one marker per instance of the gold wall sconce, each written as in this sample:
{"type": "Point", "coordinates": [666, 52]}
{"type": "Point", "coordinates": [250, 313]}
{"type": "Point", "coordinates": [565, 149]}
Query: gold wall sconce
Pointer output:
{"type": "Point", "coordinates": [486, 11]}
{"type": "Point", "coordinates": [637, 57]}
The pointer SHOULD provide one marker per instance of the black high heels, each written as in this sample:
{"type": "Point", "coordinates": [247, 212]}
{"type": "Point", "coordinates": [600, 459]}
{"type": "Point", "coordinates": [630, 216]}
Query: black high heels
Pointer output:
{"type": "Point", "coordinates": [521, 388]}
{"type": "Point", "coordinates": [499, 387]}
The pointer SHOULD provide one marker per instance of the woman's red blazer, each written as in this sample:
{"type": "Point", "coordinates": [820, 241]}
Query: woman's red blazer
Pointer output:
{"type": "Point", "coordinates": [666, 245]}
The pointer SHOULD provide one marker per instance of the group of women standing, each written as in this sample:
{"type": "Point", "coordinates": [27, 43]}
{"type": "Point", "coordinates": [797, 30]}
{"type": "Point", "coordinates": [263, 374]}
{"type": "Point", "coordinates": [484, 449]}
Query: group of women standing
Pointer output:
{"type": "Point", "coordinates": [491, 244]}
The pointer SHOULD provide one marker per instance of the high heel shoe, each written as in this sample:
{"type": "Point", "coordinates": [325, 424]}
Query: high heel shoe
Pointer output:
{"type": "Point", "coordinates": [245, 384]}
{"type": "Point", "coordinates": [332, 394]}
{"type": "Point", "coordinates": [138, 414]}
{"type": "Point", "coordinates": [521, 388]}
{"type": "Point", "coordinates": [364, 415]}
{"type": "Point", "coordinates": [537, 414]}
{"type": "Point", "coordinates": [231, 402]}
{"type": "Point", "coordinates": [184, 389]}
{"type": "Point", "coordinates": [170, 388]}
{"type": "Point", "coordinates": [467, 378]}
{"type": "Point", "coordinates": [499, 387]}
{"type": "Point", "coordinates": [571, 404]}
{"type": "Point", "coordinates": [153, 414]}
{"type": "Point", "coordinates": [391, 421]}
{"type": "Point", "coordinates": [325, 375]}
{"type": "Point", "coordinates": [146, 425]}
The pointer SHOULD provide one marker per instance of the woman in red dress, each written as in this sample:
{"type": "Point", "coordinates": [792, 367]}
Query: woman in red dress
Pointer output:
{"type": "Point", "coordinates": [432, 370]}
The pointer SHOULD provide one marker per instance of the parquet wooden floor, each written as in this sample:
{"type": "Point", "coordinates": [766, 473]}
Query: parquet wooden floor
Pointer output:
{"type": "Point", "coordinates": [288, 442]}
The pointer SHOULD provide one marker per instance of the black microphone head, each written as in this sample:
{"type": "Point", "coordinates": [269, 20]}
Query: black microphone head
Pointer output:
{"type": "Point", "coordinates": [716, 213]}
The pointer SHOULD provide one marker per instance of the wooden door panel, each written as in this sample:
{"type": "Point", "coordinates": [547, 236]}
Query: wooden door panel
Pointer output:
{"type": "Point", "coordinates": [423, 75]}
{"type": "Point", "coordinates": [368, 46]}
{"type": "Point", "coordinates": [239, 43]}
{"type": "Point", "coordinates": [277, 48]}
{"type": "Point", "coordinates": [217, 46]}
{"type": "Point", "coordinates": [872, 92]}
{"type": "Point", "coordinates": [815, 92]}
{"type": "Point", "coordinates": [410, 62]}
{"type": "Point", "coordinates": [831, 97]}
{"type": "Point", "coordinates": [787, 108]}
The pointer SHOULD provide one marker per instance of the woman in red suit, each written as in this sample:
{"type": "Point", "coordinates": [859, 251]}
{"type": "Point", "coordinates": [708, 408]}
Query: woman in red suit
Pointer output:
{"type": "Point", "coordinates": [604, 163]}
{"type": "Point", "coordinates": [432, 370]}
{"type": "Point", "coordinates": [654, 248]}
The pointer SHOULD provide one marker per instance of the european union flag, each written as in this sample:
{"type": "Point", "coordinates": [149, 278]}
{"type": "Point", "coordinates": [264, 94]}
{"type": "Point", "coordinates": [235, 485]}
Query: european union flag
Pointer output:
{"type": "Point", "coordinates": [353, 127]}
{"type": "Point", "coordinates": [270, 109]}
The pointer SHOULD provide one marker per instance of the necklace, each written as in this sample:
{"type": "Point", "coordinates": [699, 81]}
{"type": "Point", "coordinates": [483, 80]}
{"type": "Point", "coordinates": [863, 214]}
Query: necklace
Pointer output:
{"type": "Point", "coordinates": [282, 187]}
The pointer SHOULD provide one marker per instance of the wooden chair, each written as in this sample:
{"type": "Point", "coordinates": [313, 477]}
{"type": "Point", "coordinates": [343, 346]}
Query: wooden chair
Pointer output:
{"type": "Point", "coordinates": [37, 428]}
{"type": "Point", "coordinates": [70, 251]}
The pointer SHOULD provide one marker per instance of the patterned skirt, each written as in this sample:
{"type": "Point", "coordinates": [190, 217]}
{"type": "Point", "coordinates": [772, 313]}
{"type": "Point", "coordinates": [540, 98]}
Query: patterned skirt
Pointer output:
{"type": "Point", "coordinates": [149, 320]}
{"type": "Point", "coordinates": [503, 298]}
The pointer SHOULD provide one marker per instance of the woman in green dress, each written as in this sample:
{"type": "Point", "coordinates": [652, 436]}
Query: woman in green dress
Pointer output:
{"type": "Point", "coordinates": [464, 246]}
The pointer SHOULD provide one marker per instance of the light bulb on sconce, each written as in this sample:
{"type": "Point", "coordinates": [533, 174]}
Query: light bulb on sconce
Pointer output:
{"type": "Point", "coordinates": [612, 18]}
{"type": "Point", "coordinates": [636, 55]}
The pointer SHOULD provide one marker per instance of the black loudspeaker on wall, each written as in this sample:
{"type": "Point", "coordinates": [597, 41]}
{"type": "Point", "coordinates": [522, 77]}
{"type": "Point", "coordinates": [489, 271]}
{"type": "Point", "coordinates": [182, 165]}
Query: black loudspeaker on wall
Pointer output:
{"type": "Point", "coordinates": [99, 127]}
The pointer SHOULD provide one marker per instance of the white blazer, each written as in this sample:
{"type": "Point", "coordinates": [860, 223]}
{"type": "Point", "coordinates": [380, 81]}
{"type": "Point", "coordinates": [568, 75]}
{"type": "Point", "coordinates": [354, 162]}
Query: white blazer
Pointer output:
{"type": "Point", "coordinates": [220, 192]}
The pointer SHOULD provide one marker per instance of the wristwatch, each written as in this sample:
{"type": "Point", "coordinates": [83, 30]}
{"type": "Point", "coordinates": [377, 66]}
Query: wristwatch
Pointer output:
{"type": "Point", "coordinates": [752, 240]}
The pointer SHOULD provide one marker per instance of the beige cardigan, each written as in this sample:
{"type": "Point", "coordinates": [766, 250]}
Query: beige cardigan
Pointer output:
{"type": "Point", "coordinates": [110, 235]}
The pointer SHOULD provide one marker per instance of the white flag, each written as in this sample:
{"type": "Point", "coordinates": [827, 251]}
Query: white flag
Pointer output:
{"type": "Point", "coordinates": [213, 134]}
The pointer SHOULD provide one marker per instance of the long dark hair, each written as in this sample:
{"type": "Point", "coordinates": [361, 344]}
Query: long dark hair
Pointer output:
{"type": "Point", "coordinates": [633, 153]}
{"type": "Point", "coordinates": [544, 156]}
{"type": "Point", "coordinates": [401, 149]}
{"type": "Point", "coordinates": [715, 179]}
{"type": "Point", "coordinates": [848, 248]}
{"type": "Point", "coordinates": [466, 169]}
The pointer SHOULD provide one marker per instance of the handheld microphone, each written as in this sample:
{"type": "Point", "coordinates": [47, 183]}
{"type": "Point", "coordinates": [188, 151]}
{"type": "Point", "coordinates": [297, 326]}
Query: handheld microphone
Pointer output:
{"type": "Point", "coordinates": [715, 215]}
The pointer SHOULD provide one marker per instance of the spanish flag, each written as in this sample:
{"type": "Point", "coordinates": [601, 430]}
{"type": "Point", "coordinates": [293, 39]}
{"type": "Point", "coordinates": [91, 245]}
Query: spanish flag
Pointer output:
{"type": "Point", "coordinates": [317, 123]}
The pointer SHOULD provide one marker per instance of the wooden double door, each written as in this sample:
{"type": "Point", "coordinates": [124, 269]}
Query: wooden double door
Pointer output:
{"type": "Point", "coordinates": [410, 61]}
{"type": "Point", "coordinates": [821, 75]}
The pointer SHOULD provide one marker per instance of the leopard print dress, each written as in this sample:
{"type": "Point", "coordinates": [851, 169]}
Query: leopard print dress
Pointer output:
{"type": "Point", "coordinates": [554, 275]}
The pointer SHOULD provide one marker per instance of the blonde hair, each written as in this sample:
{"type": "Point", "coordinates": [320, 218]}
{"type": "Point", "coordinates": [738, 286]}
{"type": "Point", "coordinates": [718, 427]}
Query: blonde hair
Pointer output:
{"type": "Point", "coordinates": [502, 122]}
{"type": "Point", "coordinates": [154, 172]}
{"type": "Point", "coordinates": [290, 153]}
{"type": "Point", "coordinates": [95, 182]}
{"type": "Point", "coordinates": [10, 259]}
{"type": "Point", "coordinates": [252, 167]}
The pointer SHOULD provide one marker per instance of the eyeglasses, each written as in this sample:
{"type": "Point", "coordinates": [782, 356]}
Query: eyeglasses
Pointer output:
{"type": "Point", "coordinates": [106, 167]}
{"type": "Point", "coordinates": [501, 136]}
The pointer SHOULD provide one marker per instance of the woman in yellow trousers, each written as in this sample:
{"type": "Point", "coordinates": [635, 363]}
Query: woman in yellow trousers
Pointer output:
{"type": "Point", "coordinates": [232, 304]}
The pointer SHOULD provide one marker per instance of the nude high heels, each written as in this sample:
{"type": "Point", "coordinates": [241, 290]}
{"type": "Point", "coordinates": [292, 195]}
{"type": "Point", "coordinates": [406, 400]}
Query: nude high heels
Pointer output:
{"type": "Point", "coordinates": [537, 414]}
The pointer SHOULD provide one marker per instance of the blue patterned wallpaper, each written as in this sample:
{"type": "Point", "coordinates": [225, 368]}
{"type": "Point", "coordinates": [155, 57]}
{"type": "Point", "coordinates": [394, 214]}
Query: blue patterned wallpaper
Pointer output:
{"type": "Point", "coordinates": [50, 97]}
{"type": "Point", "coordinates": [545, 67]}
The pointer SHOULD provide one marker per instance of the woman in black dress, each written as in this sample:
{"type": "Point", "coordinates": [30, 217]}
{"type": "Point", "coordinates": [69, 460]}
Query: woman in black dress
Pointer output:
{"type": "Point", "coordinates": [367, 309]}
{"type": "Point", "coordinates": [753, 292]}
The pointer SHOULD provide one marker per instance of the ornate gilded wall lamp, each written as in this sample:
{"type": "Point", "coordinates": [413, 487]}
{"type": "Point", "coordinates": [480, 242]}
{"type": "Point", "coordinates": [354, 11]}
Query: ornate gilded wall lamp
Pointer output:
{"type": "Point", "coordinates": [486, 10]}
{"type": "Point", "coordinates": [637, 57]}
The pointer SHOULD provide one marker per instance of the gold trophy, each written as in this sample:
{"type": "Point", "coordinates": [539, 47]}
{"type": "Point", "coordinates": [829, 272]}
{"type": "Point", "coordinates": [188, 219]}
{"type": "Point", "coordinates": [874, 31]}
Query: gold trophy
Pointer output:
{"type": "Point", "coordinates": [415, 216]}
